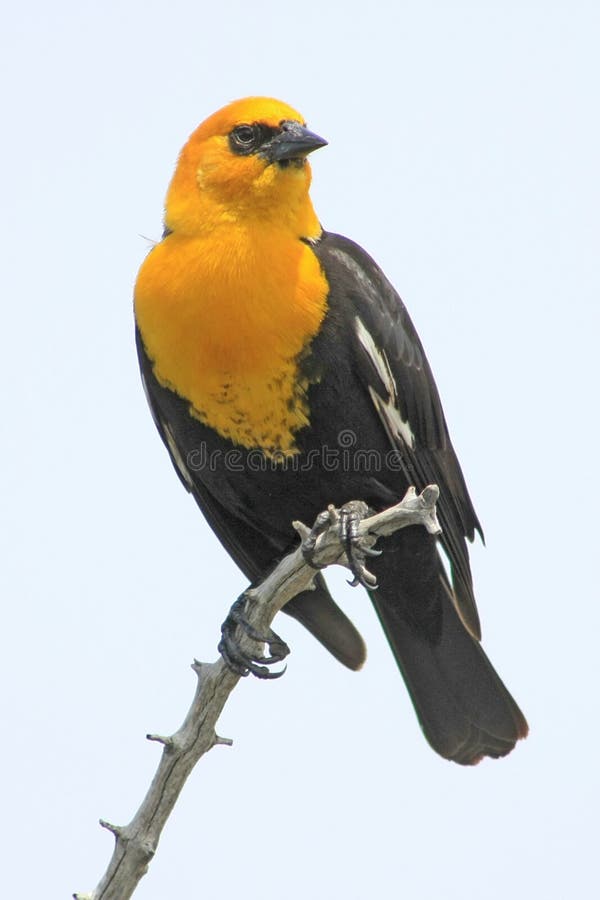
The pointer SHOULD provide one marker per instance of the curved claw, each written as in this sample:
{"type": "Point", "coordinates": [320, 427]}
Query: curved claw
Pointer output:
{"type": "Point", "coordinates": [356, 551]}
{"type": "Point", "coordinates": [266, 674]}
{"type": "Point", "coordinates": [366, 578]}
{"type": "Point", "coordinates": [244, 663]}
{"type": "Point", "coordinates": [369, 551]}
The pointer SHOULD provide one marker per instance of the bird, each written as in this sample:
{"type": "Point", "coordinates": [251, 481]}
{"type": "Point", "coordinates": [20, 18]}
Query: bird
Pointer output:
{"type": "Point", "coordinates": [284, 374]}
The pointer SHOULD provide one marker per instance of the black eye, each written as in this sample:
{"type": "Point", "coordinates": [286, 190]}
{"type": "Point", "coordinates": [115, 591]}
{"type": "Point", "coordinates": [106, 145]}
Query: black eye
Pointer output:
{"type": "Point", "coordinates": [244, 138]}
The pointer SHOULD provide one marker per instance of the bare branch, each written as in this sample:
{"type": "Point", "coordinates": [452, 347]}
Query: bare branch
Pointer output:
{"type": "Point", "coordinates": [136, 843]}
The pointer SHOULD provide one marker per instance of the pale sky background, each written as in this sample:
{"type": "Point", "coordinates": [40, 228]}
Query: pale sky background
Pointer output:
{"type": "Point", "coordinates": [464, 156]}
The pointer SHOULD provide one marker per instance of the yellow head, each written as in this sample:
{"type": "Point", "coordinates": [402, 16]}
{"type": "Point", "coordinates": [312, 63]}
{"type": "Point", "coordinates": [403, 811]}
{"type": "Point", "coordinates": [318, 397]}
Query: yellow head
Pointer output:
{"type": "Point", "coordinates": [246, 161]}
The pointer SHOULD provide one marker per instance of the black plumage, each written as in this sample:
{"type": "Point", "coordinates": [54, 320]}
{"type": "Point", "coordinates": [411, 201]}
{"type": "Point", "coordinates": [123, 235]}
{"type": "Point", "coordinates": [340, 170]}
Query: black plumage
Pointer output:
{"type": "Point", "coordinates": [376, 427]}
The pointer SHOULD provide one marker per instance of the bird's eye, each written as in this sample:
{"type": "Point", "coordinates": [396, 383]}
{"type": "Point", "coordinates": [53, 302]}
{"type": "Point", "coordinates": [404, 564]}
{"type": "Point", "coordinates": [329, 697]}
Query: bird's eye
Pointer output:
{"type": "Point", "coordinates": [244, 138]}
{"type": "Point", "coordinates": [244, 134]}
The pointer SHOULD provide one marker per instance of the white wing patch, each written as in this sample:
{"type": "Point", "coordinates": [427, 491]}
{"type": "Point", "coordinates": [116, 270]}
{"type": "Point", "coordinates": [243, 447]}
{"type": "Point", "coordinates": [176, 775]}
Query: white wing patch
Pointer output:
{"type": "Point", "coordinates": [388, 409]}
{"type": "Point", "coordinates": [377, 357]}
{"type": "Point", "coordinates": [177, 457]}
{"type": "Point", "coordinates": [147, 393]}
{"type": "Point", "coordinates": [163, 428]}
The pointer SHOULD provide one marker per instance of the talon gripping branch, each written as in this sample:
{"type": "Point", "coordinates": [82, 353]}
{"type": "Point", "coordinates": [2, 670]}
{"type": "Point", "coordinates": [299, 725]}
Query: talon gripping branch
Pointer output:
{"type": "Point", "coordinates": [266, 345]}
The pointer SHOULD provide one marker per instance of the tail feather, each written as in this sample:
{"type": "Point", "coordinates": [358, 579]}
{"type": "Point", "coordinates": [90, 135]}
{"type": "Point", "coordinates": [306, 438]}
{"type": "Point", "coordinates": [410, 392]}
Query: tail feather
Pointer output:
{"type": "Point", "coordinates": [318, 612]}
{"type": "Point", "coordinates": [463, 707]}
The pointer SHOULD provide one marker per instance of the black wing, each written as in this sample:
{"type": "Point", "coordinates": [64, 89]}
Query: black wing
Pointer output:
{"type": "Point", "coordinates": [247, 546]}
{"type": "Point", "coordinates": [392, 366]}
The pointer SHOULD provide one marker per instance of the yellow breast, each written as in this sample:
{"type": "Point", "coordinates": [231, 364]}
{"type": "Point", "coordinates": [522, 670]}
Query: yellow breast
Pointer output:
{"type": "Point", "coordinates": [224, 318]}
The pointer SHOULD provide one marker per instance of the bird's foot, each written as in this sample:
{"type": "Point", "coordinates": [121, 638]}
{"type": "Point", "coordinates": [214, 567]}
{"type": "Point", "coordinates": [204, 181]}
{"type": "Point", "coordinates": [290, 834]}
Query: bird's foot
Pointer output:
{"type": "Point", "coordinates": [309, 544]}
{"type": "Point", "coordinates": [239, 660]}
{"type": "Point", "coordinates": [347, 520]}
{"type": "Point", "coordinates": [357, 550]}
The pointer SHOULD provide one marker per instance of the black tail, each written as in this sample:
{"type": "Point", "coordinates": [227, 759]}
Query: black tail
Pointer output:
{"type": "Point", "coordinates": [464, 708]}
{"type": "Point", "coordinates": [318, 612]}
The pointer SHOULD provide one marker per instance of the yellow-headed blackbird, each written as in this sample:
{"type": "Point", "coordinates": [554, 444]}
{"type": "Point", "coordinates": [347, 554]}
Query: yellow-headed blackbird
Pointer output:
{"type": "Point", "coordinates": [284, 374]}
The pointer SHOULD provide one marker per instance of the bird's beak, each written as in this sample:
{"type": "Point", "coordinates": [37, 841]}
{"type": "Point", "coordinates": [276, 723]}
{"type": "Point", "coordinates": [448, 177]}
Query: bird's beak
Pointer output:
{"type": "Point", "coordinates": [294, 141]}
